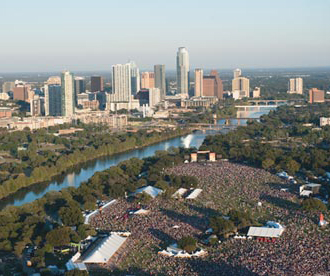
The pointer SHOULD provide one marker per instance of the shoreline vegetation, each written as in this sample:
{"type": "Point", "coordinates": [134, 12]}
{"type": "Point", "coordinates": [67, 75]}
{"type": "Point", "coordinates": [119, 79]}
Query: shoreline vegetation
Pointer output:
{"type": "Point", "coordinates": [42, 174]}
{"type": "Point", "coordinates": [50, 220]}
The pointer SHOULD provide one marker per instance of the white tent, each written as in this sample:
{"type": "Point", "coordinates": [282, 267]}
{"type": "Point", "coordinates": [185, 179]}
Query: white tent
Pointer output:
{"type": "Point", "coordinates": [142, 212]}
{"type": "Point", "coordinates": [150, 190]}
{"type": "Point", "coordinates": [103, 250]}
{"type": "Point", "coordinates": [265, 232]}
{"type": "Point", "coordinates": [195, 193]}
{"type": "Point", "coordinates": [179, 193]}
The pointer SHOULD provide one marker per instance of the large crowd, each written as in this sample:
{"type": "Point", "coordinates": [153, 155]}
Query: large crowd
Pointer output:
{"type": "Point", "coordinates": [303, 249]}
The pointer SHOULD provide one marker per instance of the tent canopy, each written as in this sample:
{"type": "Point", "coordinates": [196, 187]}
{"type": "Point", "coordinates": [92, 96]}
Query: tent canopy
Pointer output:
{"type": "Point", "coordinates": [103, 250]}
{"type": "Point", "coordinates": [265, 232]}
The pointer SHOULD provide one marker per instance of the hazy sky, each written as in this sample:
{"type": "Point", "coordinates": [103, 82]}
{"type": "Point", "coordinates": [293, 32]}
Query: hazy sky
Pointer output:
{"type": "Point", "coordinates": [49, 35]}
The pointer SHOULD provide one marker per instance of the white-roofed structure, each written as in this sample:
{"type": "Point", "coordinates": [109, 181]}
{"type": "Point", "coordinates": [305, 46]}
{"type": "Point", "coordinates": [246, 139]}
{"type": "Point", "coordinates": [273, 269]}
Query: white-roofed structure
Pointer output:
{"type": "Point", "coordinates": [70, 265]}
{"type": "Point", "coordinates": [179, 193]}
{"type": "Point", "coordinates": [103, 250]}
{"type": "Point", "coordinates": [265, 232]}
{"type": "Point", "coordinates": [150, 190]}
{"type": "Point", "coordinates": [194, 194]}
{"type": "Point", "coordinates": [141, 212]}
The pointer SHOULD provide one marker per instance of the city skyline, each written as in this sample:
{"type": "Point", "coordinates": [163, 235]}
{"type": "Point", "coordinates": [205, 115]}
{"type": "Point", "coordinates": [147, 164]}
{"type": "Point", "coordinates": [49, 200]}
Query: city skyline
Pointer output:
{"type": "Point", "coordinates": [273, 34]}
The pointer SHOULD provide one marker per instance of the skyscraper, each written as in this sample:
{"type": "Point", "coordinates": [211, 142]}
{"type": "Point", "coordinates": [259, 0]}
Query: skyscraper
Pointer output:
{"type": "Point", "coordinates": [35, 106]}
{"type": "Point", "coordinates": [68, 95]}
{"type": "Point", "coordinates": [212, 85]}
{"type": "Point", "coordinates": [53, 100]}
{"type": "Point", "coordinates": [296, 86]}
{"type": "Point", "coordinates": [237, 73]}
{"type": "Point", "coordinates": [121, 83]}
{"type": "Point", "coordinates": [148, 80]}
{"type": "Point", "coordinates": [241, 87]}
{"type": "Point", "coordinates": [96, 83]}
{"type": "Point", "coordinates": [135, 78]}
{"type": "Point", "coordinates": [79, 85]}
{"type": "Point", "coordinates": [198, 82]}
{"type": "Point", "coordinates": [21, 92]}
{"type": "Point", "coordinates": [182, 71]}
{"type": "Point", "coordinates": [160, 79]}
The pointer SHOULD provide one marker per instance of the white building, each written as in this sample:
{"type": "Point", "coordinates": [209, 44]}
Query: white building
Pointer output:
{"type": "Point", "coordinates": [154, 97]}
{"type": "Point", "coordinates": [4, 96]}
{"type": "Point", "coordinates": [295, 86]}
{"type": "Point", "coordinates": [199, 75]}
{"type": "Point", "coordinates": [237, 73]}
{"type": "Point", "coordinates": [182, 71]}
{"type": "Point", "coordinates": [68, 95]}
{"type": "Point", "coordinates": [256, 92]}
{"type": "Point", "coordinates": [324, 121]}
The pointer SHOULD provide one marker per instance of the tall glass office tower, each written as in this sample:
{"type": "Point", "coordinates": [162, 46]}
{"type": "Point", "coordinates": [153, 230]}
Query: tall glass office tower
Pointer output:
{"type": "Point", "coordinates": [182, 71]}
{"type": "Point", "coordinates": [160, 79]}
{"type": "Point", "coordinates": [135, 78]}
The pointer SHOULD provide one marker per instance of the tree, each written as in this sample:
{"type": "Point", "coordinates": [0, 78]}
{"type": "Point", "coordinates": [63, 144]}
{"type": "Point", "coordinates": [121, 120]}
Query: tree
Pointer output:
{"type": "Point", "coordinates": [71, 215]}
{"type": "Point", "coordinates": [76, 272]}
{"type": "Point", "coordinates": [222, 226]}
{"type": "Point", "coordinates": [267, 163]}
{"type": "Point", "coordinates": [188, 244]}
{"type": "Point", "coordinates": [59, 236]}
{"type": "Point", "coordinates": [292, 166]}
{"type": "Point", "coordinates": [161, 184]}
{"type": "Point", "coordinates": [241, 219]}
{"type": "Point", "coordinates": [310, 204]}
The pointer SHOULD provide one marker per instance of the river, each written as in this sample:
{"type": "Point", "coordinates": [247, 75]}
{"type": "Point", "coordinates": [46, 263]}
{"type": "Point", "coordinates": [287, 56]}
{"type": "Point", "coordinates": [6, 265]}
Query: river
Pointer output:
{"type": "Point", "coordinates": [78, 175]}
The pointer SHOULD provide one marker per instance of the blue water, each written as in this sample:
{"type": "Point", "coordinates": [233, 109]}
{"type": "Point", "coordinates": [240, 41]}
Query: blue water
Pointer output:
{"type": "Point", "coordinates": [74, 179]}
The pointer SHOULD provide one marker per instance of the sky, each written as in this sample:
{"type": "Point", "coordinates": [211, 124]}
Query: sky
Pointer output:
{"type": "Point", "coordinates": [49, 35]}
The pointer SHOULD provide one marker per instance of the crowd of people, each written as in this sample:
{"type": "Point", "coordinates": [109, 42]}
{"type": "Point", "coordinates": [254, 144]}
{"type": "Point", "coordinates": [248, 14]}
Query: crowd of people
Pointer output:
{"type": "Point", "coordinates": [303, 249]}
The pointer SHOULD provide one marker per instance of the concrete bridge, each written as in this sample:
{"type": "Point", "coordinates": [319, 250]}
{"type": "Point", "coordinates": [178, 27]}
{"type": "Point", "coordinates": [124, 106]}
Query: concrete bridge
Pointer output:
{"type": "Point", "coordinates": [254, 108]}
{"type": "Point", "coordinates": [274, 102]}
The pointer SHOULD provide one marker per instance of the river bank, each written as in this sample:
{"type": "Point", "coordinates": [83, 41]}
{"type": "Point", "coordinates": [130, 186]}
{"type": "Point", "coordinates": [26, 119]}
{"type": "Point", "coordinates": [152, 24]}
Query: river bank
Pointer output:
{"type": "Point", "coordinates": [42, 175]}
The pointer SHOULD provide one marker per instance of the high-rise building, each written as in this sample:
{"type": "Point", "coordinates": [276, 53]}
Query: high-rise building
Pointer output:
{"type": "Point", "coordinates": [53, 100]}
{"type": "Point", "coordinates": [154, 96]}
{"type": "Point", "coordinates": [198, 83]}
{"type": "Point", "coordinates": [237, 73]}
{"type": "Point", "coordinates": [79, 85]}
{"type": "Point", "coordinates": [96, 83]}
{"type": "Point", "coordinates": [21, 93]}
{"type": "Point", "coordinates": [68, 95]}
{"type": "Point", "coordinates": [296, 86]}
{"type": "Point", "coordinates": [241, 87]}
{"type": "Point", "coordinates": [35, 106]}
{"type": "Point", "coordinates": [8, 86]}
{"type": "Point", "coordinates": [256, 92]}
{"type": "Point", "coordinates": [121, 96]}
{"type": "Point", "coordinates": [148, 80]}
{"type": "Point", "coordinates": [212, 85]}
{"type": "Point", "coordinates": [121, 83]}
{"type": "Point", "coordinates": [160, 79]}
{"type": "Point", "coordinates": [182, 71]}
{"type": "Point", "coordinates": [316, 96]}
{"type": "Point", "coordinates": [135, 78]}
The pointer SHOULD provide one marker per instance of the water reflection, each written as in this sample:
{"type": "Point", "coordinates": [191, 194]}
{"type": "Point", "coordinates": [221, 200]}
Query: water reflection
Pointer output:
{"type": "Point", "coordinates": [82, 173]}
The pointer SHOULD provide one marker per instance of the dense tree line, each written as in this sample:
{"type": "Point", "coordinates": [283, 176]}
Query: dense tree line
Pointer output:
{"type": "Point", "coordinates": [280, 141]}
{"type": "Point", "coordinates": [38, 165]}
